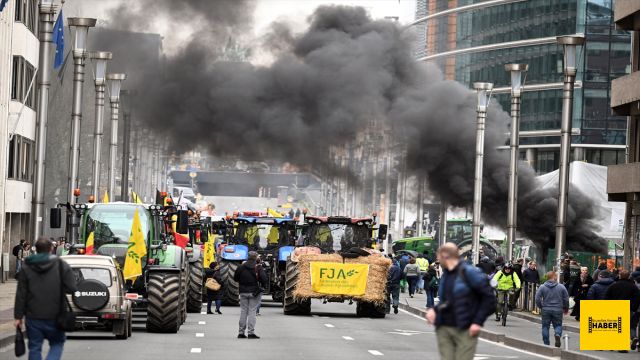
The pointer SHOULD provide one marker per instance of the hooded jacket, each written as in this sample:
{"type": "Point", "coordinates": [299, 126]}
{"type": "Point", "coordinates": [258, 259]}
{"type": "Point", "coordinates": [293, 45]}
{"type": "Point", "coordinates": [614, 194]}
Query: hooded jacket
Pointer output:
{"type": "Point", "coordinates": [394, 275]}
{"type": "Point", "coordinates": [552, 296]}
{"type": "Point", "coordinates": [38, 295]}
{"type": "Point", "coordinates": [624, 289]}
{"type": "Point", "coordinates": [250, 277]}
{"type": "Point", "coordinates": [598, 290]}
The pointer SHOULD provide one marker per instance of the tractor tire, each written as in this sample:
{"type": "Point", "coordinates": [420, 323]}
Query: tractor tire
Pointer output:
{"type": "Point", "coordinates": [164, 309]}
{"type": "Point", "coordinates": [184, 283]}
{"type": "Point", "coordinates": [195, 287]}
{"type": "Point", "coordinates": [230, 287]}
{"type": "Point", "coordinates": [371, 310]}
{"type": "Point", "coordinates": [291, 306]}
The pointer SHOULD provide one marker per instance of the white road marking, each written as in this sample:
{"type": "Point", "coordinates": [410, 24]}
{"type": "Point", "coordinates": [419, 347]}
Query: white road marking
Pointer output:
{"type": "Point", "coordinates": [196, 350]}
{"type": "Point", "coordinates": [202, 323]}
{"type": "Point", "coordinates": [375, 353]}
{"type": "Point", "coordinates": [199, 334]}
{"type": "Point", "coordinates": [488, 341]}
{"type": "Point", "coordinates": [203, 313]}
{"type": "Point", "coordinates": [348, 338]}
{"type": "Point", "coordinates": [329, 325]}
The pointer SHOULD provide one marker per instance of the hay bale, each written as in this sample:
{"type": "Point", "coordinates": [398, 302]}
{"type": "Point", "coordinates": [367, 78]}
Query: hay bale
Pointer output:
{"type": "Point", "coordinates": [376, 281]}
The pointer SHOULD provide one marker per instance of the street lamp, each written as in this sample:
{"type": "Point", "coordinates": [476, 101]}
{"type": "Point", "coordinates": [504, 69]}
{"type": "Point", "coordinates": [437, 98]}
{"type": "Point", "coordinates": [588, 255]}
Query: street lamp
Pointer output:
{"type": "Point", "coordinates": [517, 71]}
{"type": "Point", "coordinates": [79, 29]}
{"type": "Point", "coordinates": [100, 59]}
{"type": "Point", "coordinates": [570, 44]}
{"type": "Point", "coordinates": [47, 12]}
{"type": "Point", "coordinates": [115, 83]}
{"type": "Point", "coordinates": [484, 95]}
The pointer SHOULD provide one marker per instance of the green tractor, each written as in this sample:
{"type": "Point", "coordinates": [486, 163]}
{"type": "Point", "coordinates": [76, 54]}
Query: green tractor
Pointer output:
{"type": "Point", "coordinates": [158, 296]}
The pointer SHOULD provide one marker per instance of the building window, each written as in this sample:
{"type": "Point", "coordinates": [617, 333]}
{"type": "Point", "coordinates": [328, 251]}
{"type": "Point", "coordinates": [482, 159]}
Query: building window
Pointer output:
{"type": "Point", "coordinates": [21, 159]}
{"type": "Point", "coordinates": [23, 76]}
{"type": "Point", "coordinates": [27, 13]}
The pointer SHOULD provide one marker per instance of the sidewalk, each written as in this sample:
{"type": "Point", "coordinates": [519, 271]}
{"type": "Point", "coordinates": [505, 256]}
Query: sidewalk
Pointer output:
{"type": "Point", "coordinates": [523, 331]}
{"type": "Point", "coordinates": [7, 298]}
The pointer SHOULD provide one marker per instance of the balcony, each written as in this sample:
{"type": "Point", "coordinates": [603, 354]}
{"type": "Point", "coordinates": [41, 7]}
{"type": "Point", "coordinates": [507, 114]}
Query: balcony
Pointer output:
{"type": "Point", "coordinates": [625, 94]}
{"type": "Point", "coordinates": [623, 179]}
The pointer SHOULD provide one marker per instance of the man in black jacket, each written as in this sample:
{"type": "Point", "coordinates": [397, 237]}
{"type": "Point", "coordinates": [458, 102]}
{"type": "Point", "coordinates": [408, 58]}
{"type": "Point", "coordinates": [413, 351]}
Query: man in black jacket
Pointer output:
{"type": "Point", "coordinates": [626, 289]}
{"type": "Point", "coordinates": [41, 283]}
{"type": "Point", "coordinates": [251, 279]}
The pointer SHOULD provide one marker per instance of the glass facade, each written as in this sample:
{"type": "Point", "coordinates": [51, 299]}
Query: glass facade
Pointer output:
{"type": "Point", "coordinates": [605, 56]}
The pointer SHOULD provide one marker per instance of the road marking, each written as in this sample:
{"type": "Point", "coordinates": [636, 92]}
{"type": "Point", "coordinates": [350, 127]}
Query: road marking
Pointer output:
{"type": "Point", "coordinates": [196, 350]}
{"type": "Point", "coordinates": [348, 338]}
{"type": "Point", "coordinates": [199, 334]}
{"type": "Point", "coordinates": [409, 332]}
{"type": "Point", "coordinates": [375, 353]}
{"type": "Point", "coordinates": [202, 323]}
{"type": "Point", "coordinates": [489, 341]}
{"type": "Point", "coordinates": [329, 325]}
{"type": "Point", "coordinates": [203, 313]}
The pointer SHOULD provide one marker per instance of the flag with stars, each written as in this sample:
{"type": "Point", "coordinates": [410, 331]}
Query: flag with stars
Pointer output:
{"type": "Point", "coordinates": [58, 39]}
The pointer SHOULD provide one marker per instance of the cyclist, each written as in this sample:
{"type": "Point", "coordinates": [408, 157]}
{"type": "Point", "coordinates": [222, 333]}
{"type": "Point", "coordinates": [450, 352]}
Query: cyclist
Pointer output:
{"type": "Point", "coordinates": [506, 282]}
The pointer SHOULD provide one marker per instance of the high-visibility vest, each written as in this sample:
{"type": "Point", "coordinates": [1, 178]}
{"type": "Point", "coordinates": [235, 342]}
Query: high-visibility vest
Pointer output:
{"type": "Point", "coordinates": [423, 264]}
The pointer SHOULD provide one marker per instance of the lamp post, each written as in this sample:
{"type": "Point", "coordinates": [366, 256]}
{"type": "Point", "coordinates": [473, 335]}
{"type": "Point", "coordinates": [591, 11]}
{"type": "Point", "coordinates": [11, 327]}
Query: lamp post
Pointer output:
{"type": "Point", "coordinates": [47, 12]}
{"type": "Point", "coordinates": [115, 82]}
{"type": "Point", "coordinates": [517, 71]}
{"type": "Point", "coordinates": [80, 29]}
{"type": "Point", "coordinates": [570, 44]}
{"type": "Point", "coordinates": [100, 59]}
{"type": "Point", "coordinates": [126, 143]}
{"type": "Point", "coordinates": [484, 94]}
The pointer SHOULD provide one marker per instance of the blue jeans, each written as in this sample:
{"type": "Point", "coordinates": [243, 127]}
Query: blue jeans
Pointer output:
{"type": "Point", "coordinates": [420, 282]}
{"type": "Point", "coordinates": [394, 292]}
{"type": "Point", "coordinates": [430, 295]}
{"type": "Point", "coordinates": [551, 317]}
{"type": "Point", "coordinates": [37, 331]}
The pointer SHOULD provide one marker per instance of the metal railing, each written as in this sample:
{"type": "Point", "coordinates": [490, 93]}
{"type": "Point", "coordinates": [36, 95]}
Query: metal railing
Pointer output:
{"type": "Point", "coordinates": [527, 298]}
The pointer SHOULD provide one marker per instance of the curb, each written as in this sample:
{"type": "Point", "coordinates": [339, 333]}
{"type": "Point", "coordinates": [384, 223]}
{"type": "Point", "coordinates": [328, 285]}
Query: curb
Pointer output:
{"type": "Point", "coordinates": [7, 340]}
{"type": "Point", "coordinates": [518, 343]}
{"type": "Point", "coordinates": [537, 320]}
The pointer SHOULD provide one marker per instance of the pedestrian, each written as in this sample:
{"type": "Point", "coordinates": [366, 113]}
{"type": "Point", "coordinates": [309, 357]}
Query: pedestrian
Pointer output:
{"type": "Point", "coordinates": [626, 289]}
{"type": "Point", "coordinates": [466, 300]}
{"type": "Point", "coordinates": [393, 284]}
{"type": "Point", "coordinates": [602, 265]}
{"type": "Point", "coordinates": [431, 282]}
{"type": "Point", "coordinates": [251, 279]}
{"type": "Point", "coordinates": [403, 260]}
{"type": "Point", "coordinates": [486, 265]}
{"type": "Point", "coordinates": [635, 319]}
{"type": "Point", "coordinates": [499, 263]}
{"type": "Point", "coordinates": [579, 290]}
{"type": "Point", "coordinates": [18, 252]}
{"type": "Point", "coordinates": [506, 282]}
{"type": "Point", "coordinates": [412, 273]}
{"type": "Point", "coordinates": [423, 263]}
{"type": "Point", "coordinates": [553, 299]}
{"type": "Point", "coordinates": [531, 278]}
{"type": "Point", "coordinates": [599, 288]}
{"type": "Point", "coordinates": [214, 296]}
{"type": "Point", "coordinates": [42, 285]}
{"type": "Point", "coordinates": [517, 269]}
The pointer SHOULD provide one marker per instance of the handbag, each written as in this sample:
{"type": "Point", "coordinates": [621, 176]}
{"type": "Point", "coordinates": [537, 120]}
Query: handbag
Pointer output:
{"type": "Point", "coordinates": [19, 347]}
{"type": "Point", "coordinates": [212, 284]}
{"type": "Point", "coordinates": [66, 319]}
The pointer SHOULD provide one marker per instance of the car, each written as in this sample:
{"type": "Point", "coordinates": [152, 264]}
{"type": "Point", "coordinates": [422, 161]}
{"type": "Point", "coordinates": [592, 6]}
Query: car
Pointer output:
{"type": "Point", "coordinates": [100, 302]}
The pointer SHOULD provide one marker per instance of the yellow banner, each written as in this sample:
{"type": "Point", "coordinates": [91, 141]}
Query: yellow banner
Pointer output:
{"type": "Point", "coordinates": [339, 279]}
{"type": "Point", "coordinates": [208, 252]}
{"type": "Point", "coordinates": [605, 324]}
{"type": "Point", "coordinates": [136, 251]}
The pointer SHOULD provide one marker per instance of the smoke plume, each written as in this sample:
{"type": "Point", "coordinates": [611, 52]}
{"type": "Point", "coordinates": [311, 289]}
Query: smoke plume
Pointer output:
{"type": "Point", "coordinates": [323, 87]}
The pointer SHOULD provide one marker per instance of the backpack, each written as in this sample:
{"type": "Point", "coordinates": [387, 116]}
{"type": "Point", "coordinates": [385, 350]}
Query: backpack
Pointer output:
{"type": "Point", "coordinates": [434, 283]}
{"type": "Point", "coordinates": [16, 250]}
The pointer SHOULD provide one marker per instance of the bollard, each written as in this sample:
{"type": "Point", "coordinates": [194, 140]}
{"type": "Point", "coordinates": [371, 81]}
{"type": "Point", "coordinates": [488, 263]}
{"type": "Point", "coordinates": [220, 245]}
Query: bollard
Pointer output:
{"type": "Point", "coordinates": [565, 337]}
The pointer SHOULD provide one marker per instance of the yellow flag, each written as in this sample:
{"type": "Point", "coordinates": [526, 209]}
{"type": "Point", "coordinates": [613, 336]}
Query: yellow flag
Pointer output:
{"type": "Point", "coordinates": [105, 198]}
{"type": "Point", "coordinates": [88, 247]}
{"type": "Point", "coordinates": [136, 198]}
{"type": "Point", "coordinates": [208, 252]}
{"type": "Point", "coordinates": [273, 213]}
{"type": "Point", "coordinates": [136, 251]}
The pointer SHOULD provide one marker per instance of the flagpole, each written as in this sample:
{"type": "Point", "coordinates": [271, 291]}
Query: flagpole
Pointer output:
{"type": "Point", "coordinates": [47, 13]}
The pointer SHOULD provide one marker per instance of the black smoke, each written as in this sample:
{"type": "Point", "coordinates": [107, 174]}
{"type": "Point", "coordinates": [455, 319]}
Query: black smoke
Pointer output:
{"type": "Point", "coordinates": [322, 89]}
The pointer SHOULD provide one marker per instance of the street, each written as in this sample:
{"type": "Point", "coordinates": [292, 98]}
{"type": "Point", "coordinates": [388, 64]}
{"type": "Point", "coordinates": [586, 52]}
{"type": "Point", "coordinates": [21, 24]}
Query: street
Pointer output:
{"type": "Point", "coordinates": [332, 332]}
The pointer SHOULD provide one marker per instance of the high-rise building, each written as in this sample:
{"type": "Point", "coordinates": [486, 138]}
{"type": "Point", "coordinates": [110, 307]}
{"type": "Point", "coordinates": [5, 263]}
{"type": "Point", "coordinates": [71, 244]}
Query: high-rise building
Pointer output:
{"type": "Point", "coordinates": [472, 40]}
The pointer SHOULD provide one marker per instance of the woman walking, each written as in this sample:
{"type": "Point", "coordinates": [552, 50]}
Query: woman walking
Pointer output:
{"type": "Point", "coordinates": [431, 283]}
{"type": "Point", "coordinates": [580, 290]}
{"type": "Point", "coordinates": [214, 296]}
{"type": "Point", "coordinates": [412, 273]}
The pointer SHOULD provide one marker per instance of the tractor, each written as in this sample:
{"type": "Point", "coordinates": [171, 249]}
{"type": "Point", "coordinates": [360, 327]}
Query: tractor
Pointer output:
{"type": "Point", "coordinates": [349, 237]}
{"type": "Point", "coordinates": [159, 294]}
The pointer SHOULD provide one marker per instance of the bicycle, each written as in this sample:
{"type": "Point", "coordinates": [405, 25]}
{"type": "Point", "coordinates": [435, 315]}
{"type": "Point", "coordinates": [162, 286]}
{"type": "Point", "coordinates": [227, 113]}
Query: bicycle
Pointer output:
{"type": "Point", "coordinates": [505, 306]}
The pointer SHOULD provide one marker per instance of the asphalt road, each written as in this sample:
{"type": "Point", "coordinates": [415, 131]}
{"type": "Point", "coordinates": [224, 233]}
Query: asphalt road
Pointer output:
{"type": "Point", "coordinates": [332, 332]}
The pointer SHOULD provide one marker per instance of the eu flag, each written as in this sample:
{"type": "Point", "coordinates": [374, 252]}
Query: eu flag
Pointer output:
{"type": "Point", "coordinates": [58, 38]}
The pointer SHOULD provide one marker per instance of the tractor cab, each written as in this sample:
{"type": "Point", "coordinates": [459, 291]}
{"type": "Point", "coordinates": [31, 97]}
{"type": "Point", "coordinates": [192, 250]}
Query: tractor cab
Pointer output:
{"type": "Point", "coordinates": [336, 233]}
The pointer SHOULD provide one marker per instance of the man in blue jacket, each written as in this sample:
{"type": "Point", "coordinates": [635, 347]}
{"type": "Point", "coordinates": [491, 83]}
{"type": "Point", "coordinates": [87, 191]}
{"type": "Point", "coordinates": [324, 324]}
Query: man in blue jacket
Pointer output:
{"type": "Point", "coordinates": [553, 299]}
{"type": "Point", "coordinates": [466, 300]}
{"type": "Point", "coordinates": [393, 284]}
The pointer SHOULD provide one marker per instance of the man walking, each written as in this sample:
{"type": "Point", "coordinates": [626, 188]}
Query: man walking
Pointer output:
{"type": "Point", "coordinates": [553, 299]}
{"type": "Point", "coordinates": [466, 300]}
{"type": "Point", "coordinates": [531, 279]}
{"type": "Point", "coordinates": [18, 252]}
{"type": "Point", "coordinates": [393, 284]}
{"type": "Point", "coordinates": [423, 263]}
{"type": "Point", "coordinates": [250, 278]}
{"type": "Point", "coordinates": [626, 289]}
{"type": "Point", "coordinates": [41, 286]}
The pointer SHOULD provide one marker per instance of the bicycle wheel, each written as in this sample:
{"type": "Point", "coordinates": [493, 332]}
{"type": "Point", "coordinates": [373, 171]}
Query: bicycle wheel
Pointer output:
{"type": "Point", "coordinates": [505, 309]}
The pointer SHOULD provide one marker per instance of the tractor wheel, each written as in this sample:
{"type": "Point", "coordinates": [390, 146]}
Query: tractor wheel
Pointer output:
{"type": "Point", "coordinates": [230, 288]}
{"type": "Point", "coordinates": [367, 309]}
{"type": "Point", "coordinates": [163, 294]}
{"type": "Point", "coordinates": [291, 305]}
{"type": "Point", "coordinates": [195, 287]}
